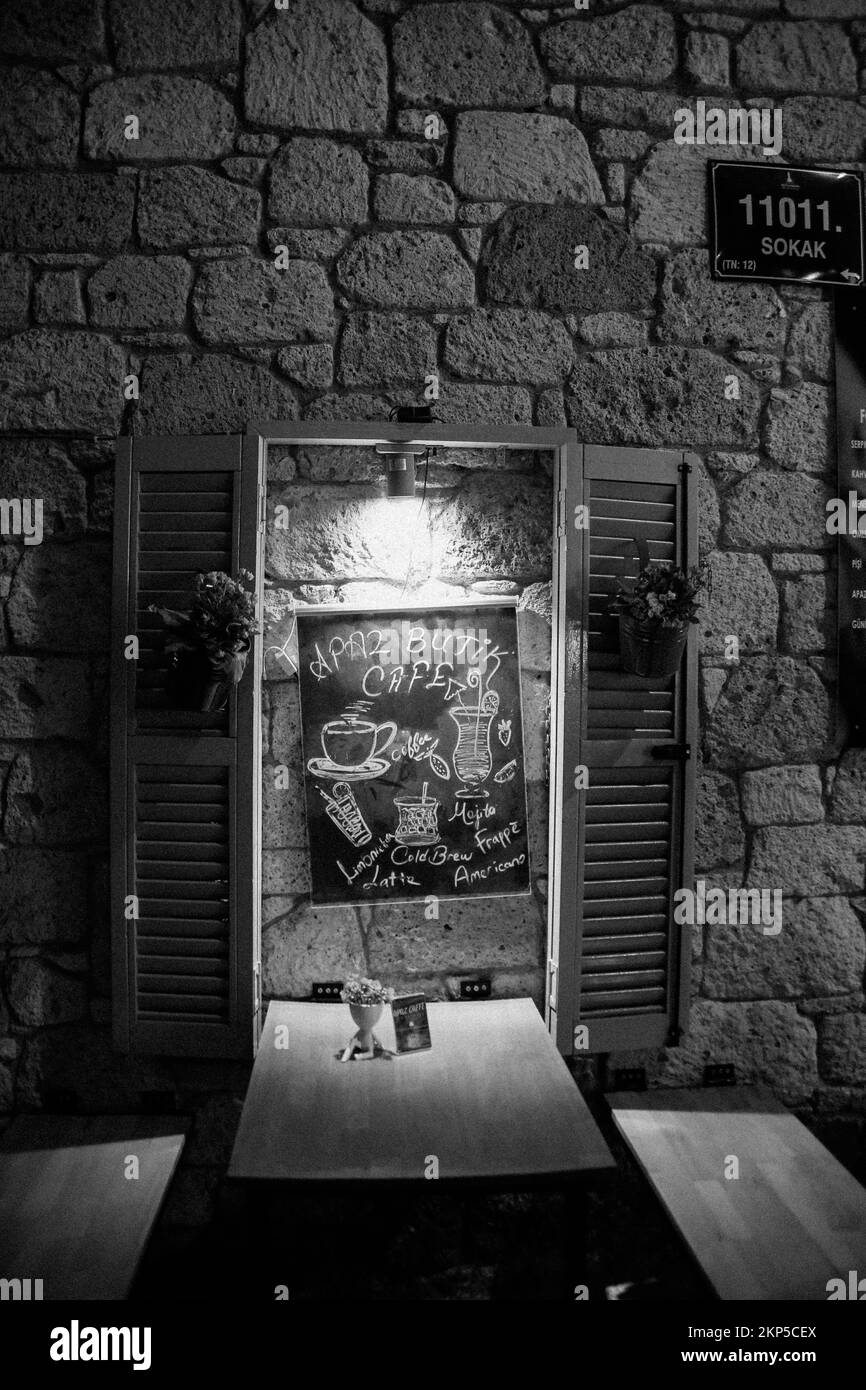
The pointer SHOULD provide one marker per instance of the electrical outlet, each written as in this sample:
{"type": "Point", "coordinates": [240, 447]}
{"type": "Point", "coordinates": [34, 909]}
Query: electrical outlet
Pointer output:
{"type": "Point", "coordinates": [327, 991]}
{"type": "Point", "coordinates": [479, 988]}
{"type": "Point", "coordinates": [720, 1074]}
{"type": "Point", "coordinates": [628, 1079]}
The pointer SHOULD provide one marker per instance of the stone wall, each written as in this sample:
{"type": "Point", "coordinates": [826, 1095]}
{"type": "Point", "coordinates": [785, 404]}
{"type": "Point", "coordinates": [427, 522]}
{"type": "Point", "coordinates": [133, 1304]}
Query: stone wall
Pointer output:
{"type": "Point", "coordinates": [140, 294]}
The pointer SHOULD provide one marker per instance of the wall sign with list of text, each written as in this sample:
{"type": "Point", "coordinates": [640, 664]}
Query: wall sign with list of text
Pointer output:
{"type": "Point", "coordinates": [849, 521]}
{"type": "Point", "coordinates": [413, 752]}
{"type": "Point", "coordinates": [771, 222]}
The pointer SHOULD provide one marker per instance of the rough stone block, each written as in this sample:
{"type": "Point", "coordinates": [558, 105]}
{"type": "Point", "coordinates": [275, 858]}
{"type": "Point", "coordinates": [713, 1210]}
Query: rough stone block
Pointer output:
{"type": "Point", "coordinates": [61, 598]}
{"type": "Point", "coordinates": [320, 65]}
{"type": "Point", "coordinates": [39, 995]}
{"type": "Point", "coordinates": [719, 836]}
{"type": "Point", "coordinates": [39, 119]}
{"type": "Point", "coordinates": [508, 345]}
{"type": "Point", "coordinates": [797, 433]}
{"type": "Point", "coordinates": [708, 60]}
{"type": "Point", "coordinates": [629, 106]}
{"type": "Point", "coordinates": [334, 534]}
{"type": "Point", "coordinates": [503, 934]}
{"type": "Point", "coordinates": [285, 872]}
{"type": "Point", "coordinates": [60, 381]}
{"type": "Point", "coordinates": [668, 197]}
{"type": "Point", "coordinates": [412, 156]}
{"type": "Point", "coordinates": [43, 29]}
{"type": "Point", "coordinates": [386, 348]}
{"type": "Point", "coordinates": [283, 819]}
{"type": "Point", "coordinates": [483, 405]}
{"type": "Point", "coordinates": [497, 533]}
{"type": "Point", "coordinates": [57, 298]}
{"type": "Point", "coordinates": [211, 394]}
{"type": "Point", "coordinates": [528, 158]}
{"type": "Point", "coordinates": [810, 345]}
{"type": "Point", "coordinates": [842, 1049]}
{"type": "Point", "coordinates": [318, 181]}
{"type": "Point", "coordinates": [406, 270]}
{"type": "Point", "coordinates": [783, 795]}
{"type": "Point", "coordinates": [823, 128]}
{"type": "Point", "coordinates": [777, 509]}
{"type": "Point", "coordinates": [312, 944]}
{"type": "Point", "coordinates": [40, 469]}
{"type": "Point", "coordinates": [179, 118]}
{"type": "Point", "coordinates": [613, 143]}
{"type": "Point", "coordinates": [54, 794]}
{"type": "Point", "coordinates": [140, 292]}
{"type": "Point", "coordinates": [14, 292]}
{"type": "Point", "coordinates": [763, 1040]}
{"type": "Point", "coordinates": [530, 261]}
{"type": "Point", "coordinates": [320, 244]}
{"type": "Point", "coordinates": [770, 711]}
{"type": "Point", "coordinates": [309, 365]}
{"type": "Point", "coordinates": [44, 896]}
{"type": "Point", "coordinates": [661, 395]}
{"type": "Point", "coordinates": [465, 55]}
{"type": "Point", "coordinates": [709, 313]}
{"type": "Point", "coordinates": [809, 859]}
{"type": "Point", "coordinates": [249, 301]}
{"type": "Point", "coordinates": [636, 45]}
{"type": "Point", "coordinates": [780, 57]}
{"type": "Point", "coordinates": [408, 198]}
{"type": "Point", "coordinates": [186, 206]}
{"type": "Point", "coordinates": [809, 613]}
{"type": "Point", "coordinates": [613, 330]}
{"type": "Point", "coordinates": [742, 602]}
{"type": "Point", "coordinates": [175, 33]}
{"type": "Point", "coordinates": [848, 800]}
{"type": "Point", "coordinates": [82, 1060]}
{"type": "Point", "coordinates": [820, 950]}
{"type": "Point", "coordinates": [66, 212]}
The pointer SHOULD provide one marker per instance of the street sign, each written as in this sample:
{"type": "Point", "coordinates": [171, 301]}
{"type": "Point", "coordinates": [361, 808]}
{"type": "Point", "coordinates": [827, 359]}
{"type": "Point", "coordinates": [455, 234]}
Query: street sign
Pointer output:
{"type": "Point", "coordinates": [771, 222]}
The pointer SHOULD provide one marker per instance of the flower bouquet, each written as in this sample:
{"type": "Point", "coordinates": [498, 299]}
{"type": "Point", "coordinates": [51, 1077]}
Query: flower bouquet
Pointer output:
{"type": "Point", "coordinates": [207, 645]}
{"type": "Point", "coordinates": [366, 999]}
{"type": "Point", "coordinates": [654, 616]}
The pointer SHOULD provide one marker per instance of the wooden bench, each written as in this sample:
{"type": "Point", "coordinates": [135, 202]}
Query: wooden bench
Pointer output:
{"type": "Point", "coordinates": [792, 1220]}
{"type": "Point", "coordinates": [69, 1214]}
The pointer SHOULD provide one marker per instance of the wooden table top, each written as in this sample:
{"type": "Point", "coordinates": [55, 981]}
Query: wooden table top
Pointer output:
{"type": "Point", "coordinates": [794, 1217]}
{"type": "Point", "coordinates": [491, 1100]}
{"type": "Point", "coordinates": [69, 1214]}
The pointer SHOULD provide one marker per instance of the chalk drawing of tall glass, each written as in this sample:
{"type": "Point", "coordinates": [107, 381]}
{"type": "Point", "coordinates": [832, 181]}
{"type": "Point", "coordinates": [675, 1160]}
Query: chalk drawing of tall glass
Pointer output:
{"type": "Point", "coordinates": [472, 758]}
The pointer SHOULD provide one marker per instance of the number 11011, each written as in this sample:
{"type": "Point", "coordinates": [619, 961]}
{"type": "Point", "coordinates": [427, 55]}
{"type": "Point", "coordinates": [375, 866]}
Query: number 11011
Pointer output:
{"type": "Point", "coordinates": [786, 212]}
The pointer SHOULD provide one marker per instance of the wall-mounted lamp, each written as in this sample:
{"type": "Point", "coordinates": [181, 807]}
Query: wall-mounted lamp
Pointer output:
{"type": "Point", "coordinates": [400, 468]}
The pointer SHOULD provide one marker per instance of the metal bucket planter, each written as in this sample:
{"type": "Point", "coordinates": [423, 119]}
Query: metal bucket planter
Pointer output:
{"type": "Point", "coordinates": [195, 682]}
{"type": "Point", "coordinates": [648, 649]}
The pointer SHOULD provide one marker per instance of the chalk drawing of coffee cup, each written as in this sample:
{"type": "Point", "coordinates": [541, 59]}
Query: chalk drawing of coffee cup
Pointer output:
{"type": "Point", "coordinates": [353, 748]}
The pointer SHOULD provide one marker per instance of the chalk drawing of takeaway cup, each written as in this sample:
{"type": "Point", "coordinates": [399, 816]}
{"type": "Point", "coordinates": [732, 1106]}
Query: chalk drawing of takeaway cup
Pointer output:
{"type": "Point", "coordinates": [352, 744]}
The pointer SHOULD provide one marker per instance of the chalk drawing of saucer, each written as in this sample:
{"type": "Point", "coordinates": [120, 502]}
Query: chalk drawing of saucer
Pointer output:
{"type": "Point", "coordinates": [373, 767]}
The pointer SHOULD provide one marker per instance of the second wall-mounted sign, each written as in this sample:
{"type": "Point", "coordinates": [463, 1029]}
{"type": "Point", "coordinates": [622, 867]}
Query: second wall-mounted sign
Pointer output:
{"type": "Point", "coordinates": [413, 752]}
{"type": "Point", "coordinates": [772, 222]}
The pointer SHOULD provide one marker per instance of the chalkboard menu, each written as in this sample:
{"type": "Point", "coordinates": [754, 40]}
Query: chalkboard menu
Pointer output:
{"type": "Point", "coordinates": [413, 752]}
{"type": "Point", "coordinates": [847, 517]}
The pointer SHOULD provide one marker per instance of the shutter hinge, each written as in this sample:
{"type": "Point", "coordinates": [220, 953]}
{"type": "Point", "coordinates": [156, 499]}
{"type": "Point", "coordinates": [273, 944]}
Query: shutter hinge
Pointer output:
{"type": "Point", "coordinates": [551, 984]}
{"type": "Point", "coordinates": [263, 505]}
{"type": "Point", "coordinates": [257, 987]}
{"type": "Point", "coordinates": [560, 517]}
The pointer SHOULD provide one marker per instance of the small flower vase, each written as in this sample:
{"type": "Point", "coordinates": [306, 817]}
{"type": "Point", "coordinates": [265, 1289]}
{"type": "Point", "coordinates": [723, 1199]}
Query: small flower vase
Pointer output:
{"type": "Point", "coordinates": [366, 1016]}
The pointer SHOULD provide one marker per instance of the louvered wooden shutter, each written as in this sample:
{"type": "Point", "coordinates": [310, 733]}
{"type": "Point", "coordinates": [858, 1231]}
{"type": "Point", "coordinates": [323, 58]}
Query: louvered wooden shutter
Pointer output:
{"type": "Point", "coordinates": [624, 845]}
{"type": "Point", "coordinates": [186, 798]}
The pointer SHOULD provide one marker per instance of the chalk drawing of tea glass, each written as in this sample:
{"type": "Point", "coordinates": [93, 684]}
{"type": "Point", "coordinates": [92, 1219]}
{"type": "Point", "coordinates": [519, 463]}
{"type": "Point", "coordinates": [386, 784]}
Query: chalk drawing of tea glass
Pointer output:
{"type": "Point", "coordinates": [417, 819]}
{"type": "Point", "coordinates": [472, 758]}
{"type": "Point", "coordinates": [353, 748]}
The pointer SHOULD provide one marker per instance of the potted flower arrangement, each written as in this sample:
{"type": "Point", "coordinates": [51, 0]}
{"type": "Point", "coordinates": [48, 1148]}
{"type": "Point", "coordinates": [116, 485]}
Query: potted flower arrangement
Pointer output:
{"type": "Point", "coordinates": [654, 616]}
{"type": "Point", "coordinates": [207, 645]}
{"type": "Point", "coordinates": [366, 999]}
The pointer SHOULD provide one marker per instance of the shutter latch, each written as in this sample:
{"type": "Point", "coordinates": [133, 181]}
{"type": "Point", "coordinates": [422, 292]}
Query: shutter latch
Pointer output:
{"type": "Point", "coordinates": [560, 519]}
{"type": "Point", "coordinates": [672, 752]}
{"type": "Point", "coordinates": [257, 988]}
{"type": "Point", "coordinates": [551, 983]}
